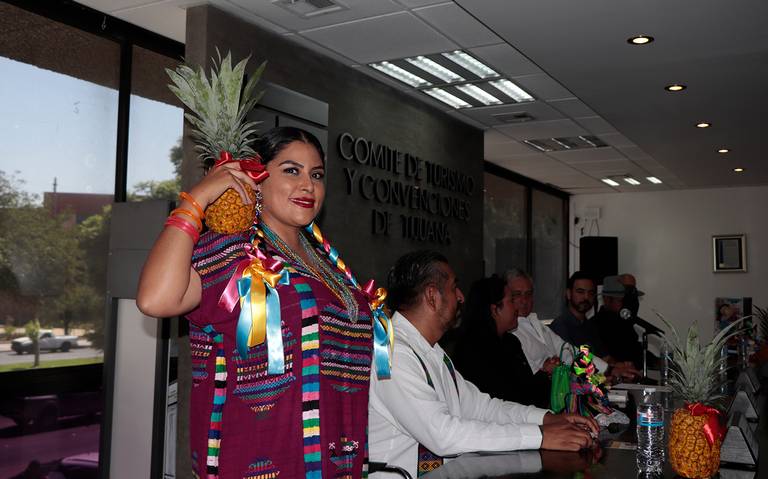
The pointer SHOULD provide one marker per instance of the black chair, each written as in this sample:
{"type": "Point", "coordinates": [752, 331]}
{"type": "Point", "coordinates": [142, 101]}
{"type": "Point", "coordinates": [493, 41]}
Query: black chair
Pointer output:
{"type": "Point", "coordinates": [383, 467]}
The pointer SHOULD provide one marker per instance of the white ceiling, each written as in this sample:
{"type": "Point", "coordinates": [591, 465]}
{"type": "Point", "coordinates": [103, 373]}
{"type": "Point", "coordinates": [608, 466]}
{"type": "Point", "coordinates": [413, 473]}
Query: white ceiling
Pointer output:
{"type": "Point", "coordinates": [574, 59]}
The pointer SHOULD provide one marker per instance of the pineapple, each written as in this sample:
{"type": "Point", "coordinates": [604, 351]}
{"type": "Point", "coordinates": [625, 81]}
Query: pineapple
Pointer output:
{"type": "Point", "coordinates": [219, 107]}
{"type": "Point", "coordinates": [695, 377]}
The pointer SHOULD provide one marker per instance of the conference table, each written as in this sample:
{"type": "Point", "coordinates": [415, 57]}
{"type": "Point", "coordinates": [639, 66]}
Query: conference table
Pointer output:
{"type": "Point", "coordinates": [614, 458]}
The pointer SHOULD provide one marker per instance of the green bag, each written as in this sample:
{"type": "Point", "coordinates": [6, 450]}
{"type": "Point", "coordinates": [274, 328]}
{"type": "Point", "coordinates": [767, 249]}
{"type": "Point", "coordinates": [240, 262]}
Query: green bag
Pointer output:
{"type": "Point", "coordinates": [561, 383]}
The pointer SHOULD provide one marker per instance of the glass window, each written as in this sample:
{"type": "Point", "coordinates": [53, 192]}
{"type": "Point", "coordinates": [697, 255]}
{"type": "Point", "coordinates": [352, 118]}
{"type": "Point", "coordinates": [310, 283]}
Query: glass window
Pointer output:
{"type": "Point", "coordinates": [504, 225]}
{"type": "Point", "coordinates": [58, 131]}
{"type": "Point", "coordinates": [156, 124]}
{"type": "Point", "coordinates": [549, 268]}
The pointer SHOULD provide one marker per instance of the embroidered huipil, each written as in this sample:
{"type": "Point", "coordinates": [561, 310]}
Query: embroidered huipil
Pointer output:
{"type": "Point", "coordinates": [309, 421]}
{"type": "Point", "coordinates": [541, 343]}
{"type": "Point", "coordinates": [406, 410]}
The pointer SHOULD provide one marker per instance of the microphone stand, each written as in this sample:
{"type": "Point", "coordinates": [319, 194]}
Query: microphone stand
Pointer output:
{"type": "Point", "coordinates": [645, 354]}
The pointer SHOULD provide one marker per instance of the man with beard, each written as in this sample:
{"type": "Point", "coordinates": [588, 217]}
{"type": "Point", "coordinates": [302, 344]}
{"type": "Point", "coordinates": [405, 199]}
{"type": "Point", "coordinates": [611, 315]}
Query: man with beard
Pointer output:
{"type": "Point", "coordinates": [573, 325]}
{"type": "Point", "coordinates": [427, 410]}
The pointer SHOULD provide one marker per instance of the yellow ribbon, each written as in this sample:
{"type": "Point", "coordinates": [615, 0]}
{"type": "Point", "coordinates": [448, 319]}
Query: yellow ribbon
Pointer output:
{"type": "Point", "coordinates": [259, 275]}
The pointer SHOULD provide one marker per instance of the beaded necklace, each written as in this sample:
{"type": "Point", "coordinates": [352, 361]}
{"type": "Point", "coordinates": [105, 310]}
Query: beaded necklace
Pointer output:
{"type": "Point", "coordinates": [320, 269]}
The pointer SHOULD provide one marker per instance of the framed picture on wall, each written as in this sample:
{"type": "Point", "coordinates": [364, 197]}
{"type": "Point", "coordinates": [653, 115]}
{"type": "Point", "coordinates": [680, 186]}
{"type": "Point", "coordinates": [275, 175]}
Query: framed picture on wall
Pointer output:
{"type": "Point", "coordinates": [729, 253]}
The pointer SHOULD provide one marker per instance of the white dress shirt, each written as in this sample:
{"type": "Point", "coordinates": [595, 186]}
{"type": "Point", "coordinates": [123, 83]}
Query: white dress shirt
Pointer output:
{"type": "Point", "coordinates": [540, 343]}
{"type": "Point", "coordinates": [475, 465]}
{"type": "Point", "coordinates": [406, 411]}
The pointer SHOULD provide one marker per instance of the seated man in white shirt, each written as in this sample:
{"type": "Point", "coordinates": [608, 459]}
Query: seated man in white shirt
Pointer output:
{"type": "Point", "coordinates": [427, 411]}
{"type": "Point", "coordinates": [540, 344]}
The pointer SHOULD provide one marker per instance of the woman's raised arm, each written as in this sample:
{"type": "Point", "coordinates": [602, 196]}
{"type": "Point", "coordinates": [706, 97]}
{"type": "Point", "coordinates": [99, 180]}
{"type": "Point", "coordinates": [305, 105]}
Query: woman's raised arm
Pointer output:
{"type": "Point", "coordinates": [168, 285]}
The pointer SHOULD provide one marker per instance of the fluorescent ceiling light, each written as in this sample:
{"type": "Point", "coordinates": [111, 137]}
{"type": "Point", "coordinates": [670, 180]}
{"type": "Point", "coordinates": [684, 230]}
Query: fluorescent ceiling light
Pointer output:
{"type": "Point", "coordinates": [512, 90]}
{"type": "Point", "coordinates": [434, 69]}
{"type": "Point", "coordinates": [398, 73]}
{"type": "Point", "coordinates": [447, 98]}
{"type": "Point", "coordinates": [631, 181]}
{"type": "Point", "coordinates": [723, 150]}
{"type": "Point", "coordinates": [703, 124]}
{"type": "Point", "coordinates": [738, 170]}
{"type": "Point", "coordinates": [479, 94]}
{"type": "Point", "coordinates": [469, 63]}
{"type": "Point", "coordinates": [653, 180]}
{"type": "Point", "coordinates": [609, 181]}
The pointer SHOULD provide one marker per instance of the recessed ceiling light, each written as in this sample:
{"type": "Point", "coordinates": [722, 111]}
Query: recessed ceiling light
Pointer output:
{"type": "Point", "coordinates": [434, 69]}
{"type": "Point", "coordinates": [653, 180]}
{"type": "Point", "coordinates": [471, 64]}
{"type": "Point", "coordinates": [447, 98]}
{"type": "Point", "coordinates": [631, 181]}
{"type": "Point", "coordinates": [723, 150]}
{"type": "Point", "coordinates": [610, 182]}
{"type": "Point", "coordinates": [479, 94]}
{"type": "Point", "coordinates": [675, 87]}
{"type": "Point", "coordinates": [703, 124]}
{"type": "Point", "coordinates": [398, 73]}
{"type": "Point", "coordinates": [510, 89]}
{"type": "Point", "coordinates": [640, 40]}
{"type": "Point", "coordinates": [738, 170]}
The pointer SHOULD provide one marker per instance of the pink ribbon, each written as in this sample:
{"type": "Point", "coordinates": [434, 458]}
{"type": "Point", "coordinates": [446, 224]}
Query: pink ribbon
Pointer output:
{"type": "Point", "coordinates": [230, 296]}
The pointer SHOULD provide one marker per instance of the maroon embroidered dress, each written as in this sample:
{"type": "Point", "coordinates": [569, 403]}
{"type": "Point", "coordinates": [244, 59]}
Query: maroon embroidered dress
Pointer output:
{"type": "Point", "coordinates": [310, 421]}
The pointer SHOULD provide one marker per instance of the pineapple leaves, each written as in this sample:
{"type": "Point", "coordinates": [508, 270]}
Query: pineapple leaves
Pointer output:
{"type": "Point", "coordinates": [694, 370]}
{"type": "Point", "coordinates": [218, 105]}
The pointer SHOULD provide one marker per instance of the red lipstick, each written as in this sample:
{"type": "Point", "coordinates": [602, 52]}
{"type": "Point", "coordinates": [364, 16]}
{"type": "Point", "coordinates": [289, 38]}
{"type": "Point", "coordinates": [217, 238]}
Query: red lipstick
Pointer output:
{"type": "Point", "coordinates": [304, 202]}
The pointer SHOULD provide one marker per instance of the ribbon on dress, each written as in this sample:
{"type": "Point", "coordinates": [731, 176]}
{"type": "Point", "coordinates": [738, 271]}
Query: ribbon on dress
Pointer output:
{"type": "Point", "coordinates": [252, 285]}
{"type": "Point", "coordinates": [252, 166]}
{"type": "Point", "coordinates": [383, 332]}
{"type": "Point", "coordinates": [713, 428]}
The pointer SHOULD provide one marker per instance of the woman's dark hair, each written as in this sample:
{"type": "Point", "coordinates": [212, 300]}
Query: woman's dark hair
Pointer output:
{"type": "Point", "coordinates": [410, 275]}
{"type": "Point", "coordinates": [482, 294]}
{"type": "Point", "coordinates": [272, 142]}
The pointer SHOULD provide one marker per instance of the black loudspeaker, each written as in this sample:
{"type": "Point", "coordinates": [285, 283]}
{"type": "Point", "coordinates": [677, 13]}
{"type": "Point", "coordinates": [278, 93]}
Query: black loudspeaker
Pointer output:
{"type": "Point", "coordinates": [599, 256]}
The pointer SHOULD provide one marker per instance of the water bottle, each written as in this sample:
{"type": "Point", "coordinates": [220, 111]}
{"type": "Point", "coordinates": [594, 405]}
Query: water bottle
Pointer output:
{"type": "Point", "coordinates": [743, 353]}
{"type": "Point", "coordinates": [666, 356]}
{"type": "Point", "coordinates": [723, 372]}
{"type": "Point", "coordinates": [650, 435]}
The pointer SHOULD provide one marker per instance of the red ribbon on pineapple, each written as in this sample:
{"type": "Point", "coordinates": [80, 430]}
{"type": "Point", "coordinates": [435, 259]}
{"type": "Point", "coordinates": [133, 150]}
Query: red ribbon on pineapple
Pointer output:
{"type": "Point", "coordinates": [252, 166]}
{"type": "Point", "coordinates": [713, 428]}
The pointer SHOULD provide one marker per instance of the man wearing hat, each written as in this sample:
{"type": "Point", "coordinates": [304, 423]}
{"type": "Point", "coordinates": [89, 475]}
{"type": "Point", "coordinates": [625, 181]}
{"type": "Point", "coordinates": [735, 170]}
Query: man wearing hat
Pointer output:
{"type": "Point", "coordinates": [614, 321]}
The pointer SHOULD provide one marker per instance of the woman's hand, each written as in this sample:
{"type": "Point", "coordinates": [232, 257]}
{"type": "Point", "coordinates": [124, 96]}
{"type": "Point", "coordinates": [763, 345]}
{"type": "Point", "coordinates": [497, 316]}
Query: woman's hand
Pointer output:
{"type": "Point", "coordinates": [218, 180]}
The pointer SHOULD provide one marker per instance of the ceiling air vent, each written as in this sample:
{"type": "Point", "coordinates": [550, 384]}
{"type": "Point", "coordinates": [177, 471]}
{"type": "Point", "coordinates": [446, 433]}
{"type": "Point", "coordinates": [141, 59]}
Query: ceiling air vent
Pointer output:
{"type": "Point", "coordinates": [565, 143]}
{"type": "Point", "coordinates": [516, 117]}
{"type": "Point", "coordinates": [311, 8]}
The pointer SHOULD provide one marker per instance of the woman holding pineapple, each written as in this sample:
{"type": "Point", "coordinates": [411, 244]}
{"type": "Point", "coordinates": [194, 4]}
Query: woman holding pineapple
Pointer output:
{"type": "Point", "coordinates": [282, 335]}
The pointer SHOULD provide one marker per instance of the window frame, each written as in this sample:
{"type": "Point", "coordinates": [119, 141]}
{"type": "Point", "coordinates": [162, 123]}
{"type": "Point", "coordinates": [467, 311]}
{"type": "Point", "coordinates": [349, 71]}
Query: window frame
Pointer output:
{"type": "Point", "coordinates": [531, 185]}
{"type": "Point", "coordinates": [126, 35]}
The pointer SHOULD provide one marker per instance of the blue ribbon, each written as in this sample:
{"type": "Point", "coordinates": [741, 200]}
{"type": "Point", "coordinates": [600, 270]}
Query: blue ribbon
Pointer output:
{"type": "Point", "coordinates": [381, 343]}
{"type": "Point", "coordinates": [275, 355]}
